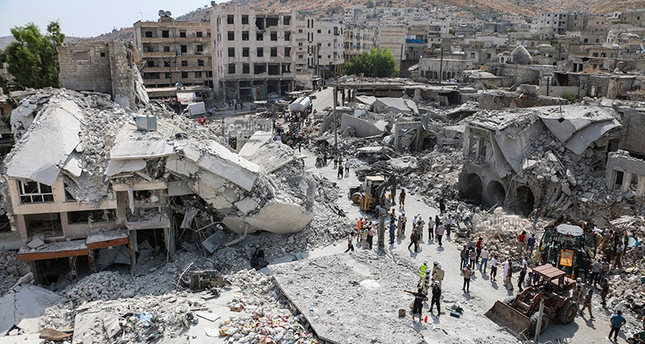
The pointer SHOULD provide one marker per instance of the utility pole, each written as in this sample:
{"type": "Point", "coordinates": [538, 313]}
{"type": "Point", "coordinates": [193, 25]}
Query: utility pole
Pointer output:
{"type": "Point", "coordinates": [381, 228]}
{"type": "Point", "coordinates": [441, 63]}
{"type": "Point", "coordinates": [335, 123]}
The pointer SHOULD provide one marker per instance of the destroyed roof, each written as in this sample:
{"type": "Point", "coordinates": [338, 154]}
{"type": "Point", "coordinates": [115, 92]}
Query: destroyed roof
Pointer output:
{"type": "Point", "coordinates": [46, 147]}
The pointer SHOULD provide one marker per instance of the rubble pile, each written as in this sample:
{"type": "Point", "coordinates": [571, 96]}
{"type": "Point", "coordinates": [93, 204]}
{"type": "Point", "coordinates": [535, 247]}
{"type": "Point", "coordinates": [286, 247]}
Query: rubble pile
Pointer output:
{"type": "Point", "coordinates": [268, 316]}
{"type": "Point", "coordinates": [151, 278]}
{"type": "Point", "coordinates": [9, 270]}
{"type": "Point", "coordinates": [134, 320]}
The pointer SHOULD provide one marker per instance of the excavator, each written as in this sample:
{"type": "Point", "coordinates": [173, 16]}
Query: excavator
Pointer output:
{"type": "Point", "coordinates": [373, 192]}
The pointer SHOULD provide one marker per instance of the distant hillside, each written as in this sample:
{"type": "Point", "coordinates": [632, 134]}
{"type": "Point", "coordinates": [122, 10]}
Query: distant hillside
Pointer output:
{"type": "Point", "coordinates": [523, 7]}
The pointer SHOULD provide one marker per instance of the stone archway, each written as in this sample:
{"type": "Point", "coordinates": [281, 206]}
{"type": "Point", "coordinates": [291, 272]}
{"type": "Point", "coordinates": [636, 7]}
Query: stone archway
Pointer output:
{"type": "Point", "coordinates": [495, 193]}
{"type": "Point", "coordinates": [524, 200]}
{"type": "Point", "coordinates": [472, 188]}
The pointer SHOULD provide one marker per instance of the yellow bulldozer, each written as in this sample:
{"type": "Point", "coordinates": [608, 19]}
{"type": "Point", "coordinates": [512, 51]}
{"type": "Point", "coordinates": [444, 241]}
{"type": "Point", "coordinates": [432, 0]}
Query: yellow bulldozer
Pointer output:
{"type": "Point", "coordinates": [373, 192]}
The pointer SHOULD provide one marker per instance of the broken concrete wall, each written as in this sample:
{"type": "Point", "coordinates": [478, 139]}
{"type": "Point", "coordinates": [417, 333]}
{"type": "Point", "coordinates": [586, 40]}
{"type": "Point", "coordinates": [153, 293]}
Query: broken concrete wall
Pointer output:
{"type": "Point", "coordinates": [103, 67]}
{"type": "Point", "coordinates": [633, 121]}
{"type": "Point", "coordinates": [360, 127]}
{"type": "Point", "coordinates": [625, 173]}
{"type": "Point", "coordinates": [85, 67]}
{"type": "Point", "coordinates": [498, 99]}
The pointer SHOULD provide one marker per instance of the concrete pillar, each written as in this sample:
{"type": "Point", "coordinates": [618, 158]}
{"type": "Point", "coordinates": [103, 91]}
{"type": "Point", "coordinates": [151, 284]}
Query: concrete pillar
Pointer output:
{"type": "Point", "coordinates": [640, 187]}
{"type": "Point", "coordinates": [22, 228]}
{"type": "Point", "coordinates": [627, 179]}
{"type": "Point", "coordinates": [132, 248]}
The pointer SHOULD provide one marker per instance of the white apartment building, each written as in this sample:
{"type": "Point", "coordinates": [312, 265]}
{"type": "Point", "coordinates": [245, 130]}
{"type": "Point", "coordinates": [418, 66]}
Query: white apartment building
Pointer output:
{"type": "Point", "coordinates": [253, 55]}
{"type": "Point", "coordinates": [358, 39]}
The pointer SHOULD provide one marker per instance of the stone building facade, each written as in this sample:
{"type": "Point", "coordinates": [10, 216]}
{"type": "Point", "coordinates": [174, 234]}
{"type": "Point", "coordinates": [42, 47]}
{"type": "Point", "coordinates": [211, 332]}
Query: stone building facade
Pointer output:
{"type": "Point", "coordinates": [110, 68]}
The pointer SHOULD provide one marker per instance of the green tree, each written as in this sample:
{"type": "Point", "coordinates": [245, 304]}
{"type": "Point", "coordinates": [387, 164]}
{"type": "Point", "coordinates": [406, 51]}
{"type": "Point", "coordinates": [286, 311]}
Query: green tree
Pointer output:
{"type": "Point", "coordinates": [32, 57]}
{"type": "Point", "coordinates": [375, 63]}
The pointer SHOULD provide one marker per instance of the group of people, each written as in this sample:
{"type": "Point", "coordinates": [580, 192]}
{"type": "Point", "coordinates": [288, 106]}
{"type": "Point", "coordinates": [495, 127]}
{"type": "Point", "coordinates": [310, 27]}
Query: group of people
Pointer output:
{"type": "Point", "coordinates": [341, 165]}
{"type": "Point", "coordinates": [364, 233]}
{"type": "Point", "coordinates": [427, 280]}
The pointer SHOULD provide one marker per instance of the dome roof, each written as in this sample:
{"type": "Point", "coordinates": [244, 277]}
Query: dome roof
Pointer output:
{"type": "Point", "coordinates": [521, 56]}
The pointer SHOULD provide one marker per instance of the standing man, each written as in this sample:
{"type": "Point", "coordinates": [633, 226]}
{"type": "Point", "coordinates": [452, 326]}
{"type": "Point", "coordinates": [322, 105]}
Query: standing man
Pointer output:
{"type": "Point", "coordinates": [473, 257]}
{"type": "Point", "coordinates": [405, 221]}
{"type": "Point", "coordinates": [484, 255]}
{"type": "Point", "coordinates": [370, 236]}
{"type": "Point", "coordinates": [413, 240]}
{"type": "Point", "coordinates": [620, 248]}
{"type": "Point", "coordinates": [419, 297]}
{"type": "Point", "coordinates": [520, 241]}
{"type": "Point", "coordinates": [350, 244]}
{"type": "Point", "coordinates": [422, 271]}
{"type": "Point", "coordinates": [520, 279]}
{"type": "Point", "coordinates": [430, 229]}
{"type": "Point", "coordinates": [617, 321]}
{"type": "Point", "coordinates": [508, 272]}
{"type": "Point", "coordinates": [436, 297]}
{"type": "Point", "coordinates": [392, 227]}
{"type": "Point", "coordinates": [448, 225]}
{"type": "Point", "coordinates": [604, 290]}
{"type": "Point", "coordinates": [347, 168]}
{"type": "Point", "coordinates": [442, 206]}
{"type": "Point", "coordinates": [493, 269]}
{"type": "Point", "coordinates": [438, 274]}
{"type": "Point", "coordinates": [578, 291]}
{"type": "Point", "coordinates": [468, 272]}
{"type": "Point", "coordinates": [531, 244]}
{"type": "Point", "coordinates": [399, 226]}
{"type": "Point", "coordinates": [478, 248]}
{"type": "Point", "coordinates": [464, 257]}
{"type": "Point", "coordinates": [440, 230]}
{"type": "Point", "coordinates": [402, 199]}
{"type": "Point", "coordinates": [587, 304]}
{"type": "Point", "coordinates": [595, 272]}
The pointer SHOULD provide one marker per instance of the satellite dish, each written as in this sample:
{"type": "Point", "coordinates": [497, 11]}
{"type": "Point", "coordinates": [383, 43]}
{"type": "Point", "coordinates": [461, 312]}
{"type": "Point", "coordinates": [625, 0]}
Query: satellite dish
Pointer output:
{"type": "Point", "coordinates": [162, 13]}
{"type": "Point", "coordinates": [168, 13]}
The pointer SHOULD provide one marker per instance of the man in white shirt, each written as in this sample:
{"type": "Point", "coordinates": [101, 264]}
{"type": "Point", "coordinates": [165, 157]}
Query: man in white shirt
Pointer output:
{"type": "Point", "coordinates": [484, 263]}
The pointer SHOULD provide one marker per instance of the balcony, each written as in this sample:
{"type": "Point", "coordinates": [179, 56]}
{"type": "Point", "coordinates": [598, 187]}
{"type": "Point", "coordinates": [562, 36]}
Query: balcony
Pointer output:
{"type": "Point", "coordinates": [149, 54]}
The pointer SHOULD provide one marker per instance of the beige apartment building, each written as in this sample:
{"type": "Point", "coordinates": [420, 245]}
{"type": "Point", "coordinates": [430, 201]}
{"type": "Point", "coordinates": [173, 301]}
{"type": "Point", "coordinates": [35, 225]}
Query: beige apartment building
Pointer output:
{"type": "Point", "coordinates": [319, 46]}
{"type": "Point", "coordinates": [393, 38]}
{"type": "Point", "coordinates": [358, 39]}
{"type": "Point", "coordinates": [253, 56]}
{"type": "Point", "coordinates": [174, 52]}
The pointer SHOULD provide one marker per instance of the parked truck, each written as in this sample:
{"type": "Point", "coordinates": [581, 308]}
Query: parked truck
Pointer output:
{"type": "Point", "coordinates": [195, 109]}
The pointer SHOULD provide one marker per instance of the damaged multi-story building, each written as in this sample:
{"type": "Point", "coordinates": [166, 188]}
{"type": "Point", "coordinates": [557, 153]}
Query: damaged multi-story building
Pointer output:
{"type": "Point", "coordinates": [89, 184]}
{"type": "Point", "coordinates": [536, 158]}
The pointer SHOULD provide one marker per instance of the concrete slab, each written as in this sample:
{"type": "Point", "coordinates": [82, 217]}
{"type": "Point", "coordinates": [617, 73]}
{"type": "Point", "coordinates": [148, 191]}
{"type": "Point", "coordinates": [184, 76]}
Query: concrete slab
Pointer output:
{"type": "Point", "coordinates": [358, 303]}
{"type": "Point", "coordinates": [51, 139]}
{"type": "Point", "coordinates": [28, 302]}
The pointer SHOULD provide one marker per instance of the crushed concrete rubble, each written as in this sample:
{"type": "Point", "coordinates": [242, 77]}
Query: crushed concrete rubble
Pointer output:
{"type": "Point", "coordinates": [10, 270]}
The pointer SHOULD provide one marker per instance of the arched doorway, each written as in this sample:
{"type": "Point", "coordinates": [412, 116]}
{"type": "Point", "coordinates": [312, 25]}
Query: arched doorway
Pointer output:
{"type": "Point", "coordinates": [472, 188]}
{"type": "Point", "coordinates": [495, 193]}
{"type": "Point", "coordinates": [524, 200]}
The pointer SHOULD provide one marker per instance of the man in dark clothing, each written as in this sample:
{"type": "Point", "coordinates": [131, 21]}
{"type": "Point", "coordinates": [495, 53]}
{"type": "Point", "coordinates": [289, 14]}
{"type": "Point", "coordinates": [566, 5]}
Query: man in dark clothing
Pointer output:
{"type": "Point", "coordinates": [478, 248]}
{"type": "Point", "coordinates": [436, 297]}
{"type": "Point", "coordinates": [442, 206]}
{"type": "Point", "coordinates": [531, 245]}
{"type": "Point", "coordinates": [604, 290]}
{"type": "Point", "coordinates": [520, 279]}
{"type": "Point", "coordinates": [413, 240]}
{"type": "Point", "coordinates": [402, 199]}
{"type": "Point", "coordinates": [392, 228]}
{"type": "Point", "coordinates": [340, 171]}
{"type": "Point", "coordinates": [587, 303]}
{"type": "Point", "coordinates": [463, 255]}
{"type": "Point", "coordinates": [616, 321]}
{"type": "Point", "coordinates": [419, 297]}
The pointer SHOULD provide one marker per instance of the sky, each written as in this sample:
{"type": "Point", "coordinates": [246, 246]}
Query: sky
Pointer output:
{"type": "Point", "coordinates": [88, 18]}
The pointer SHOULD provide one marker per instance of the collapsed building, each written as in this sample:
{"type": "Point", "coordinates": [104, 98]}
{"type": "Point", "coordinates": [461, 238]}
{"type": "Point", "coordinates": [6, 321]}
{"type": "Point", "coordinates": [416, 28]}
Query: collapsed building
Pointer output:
{"type": "Point", "coordinates": [89, 184]}
{"type": "Point", "coordinates": [546, 158]}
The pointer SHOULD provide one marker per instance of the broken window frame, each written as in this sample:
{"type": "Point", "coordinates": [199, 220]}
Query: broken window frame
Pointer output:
{"type": "Point", "coordinates": [41, 194]}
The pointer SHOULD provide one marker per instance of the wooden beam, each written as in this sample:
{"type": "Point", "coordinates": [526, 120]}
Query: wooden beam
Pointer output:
{"type": "Point", "coordinates": [26, 257]}
{"type": "Point", "coordinates": [108, 243]}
